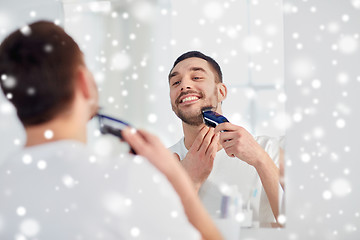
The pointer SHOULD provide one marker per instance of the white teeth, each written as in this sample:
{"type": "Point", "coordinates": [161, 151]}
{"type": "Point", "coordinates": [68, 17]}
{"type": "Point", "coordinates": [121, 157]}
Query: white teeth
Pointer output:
{"type": "Point", "coordinates": [189, 99]}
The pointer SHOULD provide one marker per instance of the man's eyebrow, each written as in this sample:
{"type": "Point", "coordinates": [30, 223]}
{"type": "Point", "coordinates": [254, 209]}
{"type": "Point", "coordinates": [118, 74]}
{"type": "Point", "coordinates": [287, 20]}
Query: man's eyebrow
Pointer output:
{"type": "Point", "coordinates": [197, 69]}
{"type": "Point", "coordinates": [193, 69]}
{"type": "Point", "coordinates": [173, 74]}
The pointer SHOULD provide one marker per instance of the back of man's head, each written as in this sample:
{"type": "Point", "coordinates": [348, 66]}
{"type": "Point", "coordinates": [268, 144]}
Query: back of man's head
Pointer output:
{"type": "Point", "coordinates": [37, 68]}
{"type": "Point", "coordinates": [197, 54]}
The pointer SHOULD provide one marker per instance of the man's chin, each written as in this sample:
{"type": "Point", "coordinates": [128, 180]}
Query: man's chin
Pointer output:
{"type": "Point", "coordinates": [193, 120]}
{"type": "Point", "coordinates": [190, 114]}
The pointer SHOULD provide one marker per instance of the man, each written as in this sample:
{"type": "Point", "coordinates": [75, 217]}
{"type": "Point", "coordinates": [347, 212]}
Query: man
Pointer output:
{"type": "Point", "coordinates": [216, 158]}
{"type": "Point", "coordinates": [54, 188]}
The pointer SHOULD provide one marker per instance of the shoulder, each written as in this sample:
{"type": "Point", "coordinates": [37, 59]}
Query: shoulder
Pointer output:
{"type": "Point", "coordinates": [267, 141]}
{"type": "Point", "coordinates": [272, 145]}
{"type": "Point", "coordinates": [179, 148]}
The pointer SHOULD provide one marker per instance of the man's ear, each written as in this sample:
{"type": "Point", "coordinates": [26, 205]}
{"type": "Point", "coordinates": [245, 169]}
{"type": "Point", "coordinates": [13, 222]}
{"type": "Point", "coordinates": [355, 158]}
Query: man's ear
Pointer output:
{"type": "Point", "coordinates": [82, 82]}
{"type": "Point", "coordinates": [222, 90]}
{"type": "Point", "coordinates": [86, 87]}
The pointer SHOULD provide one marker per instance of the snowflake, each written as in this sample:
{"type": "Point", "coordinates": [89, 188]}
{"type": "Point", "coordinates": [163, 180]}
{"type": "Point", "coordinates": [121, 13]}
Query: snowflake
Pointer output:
{"type": "Point", "coordinates": [213, 10]}
{"type": "Point", "coordinates": [30, 227]}
{"type": "Point", "coordinates": [152, 118]}
{"type": "Point", "coordinates": [252, 44]}
{"type": "Point", "coordinates": [348, 44]}
{"type": "Point", "coordinates": [21, 211]}
{"type": "Point", "coordinates": [26, 30]}
{"type": "Point", "coordinates": [48, 134]}
{"type": "Point", "coordinates": [41, 164]}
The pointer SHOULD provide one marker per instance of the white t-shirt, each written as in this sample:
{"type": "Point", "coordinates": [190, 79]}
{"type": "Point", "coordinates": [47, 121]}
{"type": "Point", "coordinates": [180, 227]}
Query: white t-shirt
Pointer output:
{"type": "Point", "coordinates": [61, 191]}
{"type": "Point", "coordinates": [229, 171]}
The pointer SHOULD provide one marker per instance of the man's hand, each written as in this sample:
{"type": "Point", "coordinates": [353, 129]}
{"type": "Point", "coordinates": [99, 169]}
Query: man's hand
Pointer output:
{"type": "Point", "coordinates": [238, 142]}
{"type": "Point", "coordinates": [199, 160]}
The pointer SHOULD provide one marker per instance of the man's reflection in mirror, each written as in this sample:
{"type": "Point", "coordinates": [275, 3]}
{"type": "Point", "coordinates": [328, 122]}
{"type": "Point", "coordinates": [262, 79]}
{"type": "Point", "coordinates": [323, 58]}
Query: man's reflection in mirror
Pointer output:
{"type": "Point", "coordinates": [236, 174]}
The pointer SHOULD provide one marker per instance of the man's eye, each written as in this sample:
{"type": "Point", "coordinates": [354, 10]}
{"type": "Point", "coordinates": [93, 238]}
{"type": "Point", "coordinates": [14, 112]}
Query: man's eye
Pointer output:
{"type": "Point", "coordinates": [176, 83]}
{"type": "Point", "coordinates": [196, 78]}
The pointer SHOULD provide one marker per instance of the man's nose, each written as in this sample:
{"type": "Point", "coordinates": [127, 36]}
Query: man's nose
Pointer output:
{"type": "Point", "coordinates": [185, 84]}
{"type": "Point", "coordinates": [184, 88]}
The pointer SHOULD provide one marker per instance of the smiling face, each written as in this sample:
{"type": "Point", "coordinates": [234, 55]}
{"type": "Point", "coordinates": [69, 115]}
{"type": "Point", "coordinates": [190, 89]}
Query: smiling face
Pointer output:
{"type": "Point", "coordinates": [193, 86]}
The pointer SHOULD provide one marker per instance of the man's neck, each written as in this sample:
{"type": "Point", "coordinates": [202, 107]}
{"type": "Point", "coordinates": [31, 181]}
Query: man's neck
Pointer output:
{"type": "Point", "coordinates": [190, 134]}
{"type": "Point", "coordinates": [64, 127]}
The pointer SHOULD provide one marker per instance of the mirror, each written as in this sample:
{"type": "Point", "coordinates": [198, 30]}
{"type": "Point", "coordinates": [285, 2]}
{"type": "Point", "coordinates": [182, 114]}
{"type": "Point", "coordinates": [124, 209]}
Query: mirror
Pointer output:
{"type": "Point", "coordinates": [130, 47]}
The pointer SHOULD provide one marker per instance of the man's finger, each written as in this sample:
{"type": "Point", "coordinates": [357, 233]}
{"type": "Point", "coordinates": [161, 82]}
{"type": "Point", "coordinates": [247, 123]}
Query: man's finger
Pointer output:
{"type": "Point", "coordinates": [135, 140]}
{"type": "Point", "coordinates": [228, 143]}
{"type": "Point", "coordinates": [199, 139]}
{"type": "Point", "coordinates": [226, 126]}
{"type": "Point", "coordinates": [226, 136]}
{"type": "Point", "coordinates": [207, 140]}
{"type": "Point", "coordinates": [230, 151]}
{"type": "Point", "coordinates": [148, 137]}
{"type": "Point", "coordinates": [214, 144]}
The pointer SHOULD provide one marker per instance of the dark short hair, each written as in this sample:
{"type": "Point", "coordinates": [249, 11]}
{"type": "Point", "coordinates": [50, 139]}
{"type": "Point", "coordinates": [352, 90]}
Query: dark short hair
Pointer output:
{"type": "Point", "coordinates": [198, 54]}
{"type": "Point", "coordinates": [37, 67]}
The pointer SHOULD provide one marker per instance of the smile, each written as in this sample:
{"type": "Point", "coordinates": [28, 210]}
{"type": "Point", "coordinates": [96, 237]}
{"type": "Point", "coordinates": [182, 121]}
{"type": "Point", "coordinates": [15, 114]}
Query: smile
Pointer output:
{"type": "Point", "coordinates": [189, 99]}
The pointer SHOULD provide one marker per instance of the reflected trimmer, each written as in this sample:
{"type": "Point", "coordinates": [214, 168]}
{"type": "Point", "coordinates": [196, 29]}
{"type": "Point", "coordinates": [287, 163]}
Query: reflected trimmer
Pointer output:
{"type": "Point", "coordinates": [211, 118]}
{"type": "Point", "coordinates": [113, 126]}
